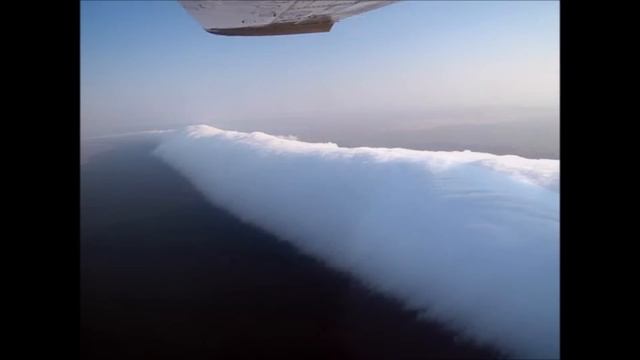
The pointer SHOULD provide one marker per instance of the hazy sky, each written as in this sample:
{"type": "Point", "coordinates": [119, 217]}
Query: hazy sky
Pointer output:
{"type": "Point", "coordinates": [149, 65]}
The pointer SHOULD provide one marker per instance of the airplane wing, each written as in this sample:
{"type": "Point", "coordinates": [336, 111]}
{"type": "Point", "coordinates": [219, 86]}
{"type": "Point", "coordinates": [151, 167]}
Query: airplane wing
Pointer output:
{"type": "Point", "coordinates": [254, 18]}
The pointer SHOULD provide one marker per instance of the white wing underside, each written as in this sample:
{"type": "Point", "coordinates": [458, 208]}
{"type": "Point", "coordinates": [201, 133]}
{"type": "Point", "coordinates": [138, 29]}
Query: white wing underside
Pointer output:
{"type": "Point", "coordinates": [253, 18]}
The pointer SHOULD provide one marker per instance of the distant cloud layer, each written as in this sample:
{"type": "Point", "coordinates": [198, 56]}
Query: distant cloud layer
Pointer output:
{"type": "Point", "coordinates": [470, 239]}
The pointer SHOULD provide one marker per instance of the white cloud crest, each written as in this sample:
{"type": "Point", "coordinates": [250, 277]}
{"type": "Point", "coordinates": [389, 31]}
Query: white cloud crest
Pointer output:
{"type": "Point", "coordinates": [470, 239]}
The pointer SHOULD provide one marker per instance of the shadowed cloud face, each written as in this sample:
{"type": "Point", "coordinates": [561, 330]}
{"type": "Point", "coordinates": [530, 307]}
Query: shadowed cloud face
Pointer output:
{"type": "Point", "coordinates": [467, 238]}
{"type": "Point", "coordinates": [165, 275]}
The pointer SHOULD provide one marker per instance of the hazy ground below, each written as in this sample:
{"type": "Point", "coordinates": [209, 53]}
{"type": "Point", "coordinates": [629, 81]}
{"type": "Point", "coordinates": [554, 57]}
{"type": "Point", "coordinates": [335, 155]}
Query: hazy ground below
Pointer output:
{"type": "Point", "coordinates": [528, 132]}
{"type": "Point", "coordinates": [530, 139]}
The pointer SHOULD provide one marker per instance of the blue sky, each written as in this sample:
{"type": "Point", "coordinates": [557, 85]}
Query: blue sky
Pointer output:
{"type": "Point", "coordinates": [150, 64]}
